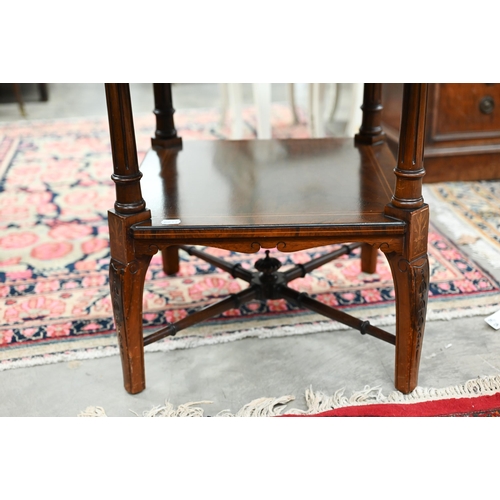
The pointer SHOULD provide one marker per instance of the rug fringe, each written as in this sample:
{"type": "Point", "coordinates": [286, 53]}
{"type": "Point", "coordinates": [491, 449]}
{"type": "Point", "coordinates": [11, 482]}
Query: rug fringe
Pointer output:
{"type": "Point", "coordinates": [262, 407]}
{"type": "Point", "coordinates": [318, 402]}
{"type": "Point", "coordinates": [93, 411]}
{"type": "Point", "coordinates": [168, 410]}
{"type": "Point", "coordinates": [476, 387]}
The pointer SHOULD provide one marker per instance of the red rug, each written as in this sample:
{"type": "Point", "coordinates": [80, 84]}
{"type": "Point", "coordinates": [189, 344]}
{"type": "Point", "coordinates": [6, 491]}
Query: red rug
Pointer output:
{"type": "Point", "coordinates": [55, 191]}
{"type": "Point", "coordinates": [480, 406]}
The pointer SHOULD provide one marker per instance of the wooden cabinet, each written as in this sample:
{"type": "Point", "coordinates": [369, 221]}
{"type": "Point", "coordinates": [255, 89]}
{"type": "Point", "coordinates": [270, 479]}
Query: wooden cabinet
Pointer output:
{"type": "Point", "coordinates": [462, 133]}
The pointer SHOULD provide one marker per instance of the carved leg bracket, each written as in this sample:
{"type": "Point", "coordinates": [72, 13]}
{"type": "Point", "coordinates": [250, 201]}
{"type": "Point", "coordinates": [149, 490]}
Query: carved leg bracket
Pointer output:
{"type": "Point", "coordinates": [127, 273]}
{"type": "Point", "coordinates": [411, 284]}
{"type": "Point", "coordinates": [410, 271]}
{"type": "Point", "coordinates": [127, 285]}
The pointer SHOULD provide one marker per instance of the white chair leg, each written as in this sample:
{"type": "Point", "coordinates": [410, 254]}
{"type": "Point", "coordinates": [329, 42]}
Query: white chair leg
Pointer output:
{"type": "Point", "coordinates": [333, 102]}
{"type": "Point", "coordinates": [316, 122]}
{"type": "Point", "coordinates": [224, 103]}
{"type": "Point", "coordinates": [236, 109]}
{"type": "Point", "coordinates": [293, 104]}
{"type": "Point", "coordinates": [355, 115]}
{"type": "Point", "coordinates": [262, 99]}
{"type": "Point", "coordinates": [310, 121]}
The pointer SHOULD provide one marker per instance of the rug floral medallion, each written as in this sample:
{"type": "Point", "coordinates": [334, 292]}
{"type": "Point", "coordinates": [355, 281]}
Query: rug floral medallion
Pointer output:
{"type": "Point", "coordinates": [55, 191]}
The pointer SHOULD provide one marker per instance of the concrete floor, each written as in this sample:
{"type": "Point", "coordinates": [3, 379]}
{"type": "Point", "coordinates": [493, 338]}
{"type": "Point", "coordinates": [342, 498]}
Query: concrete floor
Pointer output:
{"type": "Point", "coordinates": [235, 373]}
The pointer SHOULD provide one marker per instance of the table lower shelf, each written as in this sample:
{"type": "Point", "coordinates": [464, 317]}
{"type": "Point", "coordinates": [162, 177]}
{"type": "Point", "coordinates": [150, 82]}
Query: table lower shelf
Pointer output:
{"type": "Point", "coordinates": [229, 187]}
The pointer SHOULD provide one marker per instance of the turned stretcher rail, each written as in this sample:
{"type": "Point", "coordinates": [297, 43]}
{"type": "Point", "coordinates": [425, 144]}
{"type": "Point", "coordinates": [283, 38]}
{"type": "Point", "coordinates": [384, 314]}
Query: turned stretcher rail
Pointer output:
{"type": "Point", "coordinates": [232, 302]}
{"type": "Point", "coordinates": [235, 270]}
{"type": "Point", "coordinates": [300, 270]}
{"type": "Point", "coordinates": [304, 300]}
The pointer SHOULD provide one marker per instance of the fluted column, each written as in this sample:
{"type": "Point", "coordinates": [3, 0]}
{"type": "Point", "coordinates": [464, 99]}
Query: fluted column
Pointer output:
{"type": "Point", "coordinates": [410, 168]}
{"type": "Point", "coordinates": [126, 175]}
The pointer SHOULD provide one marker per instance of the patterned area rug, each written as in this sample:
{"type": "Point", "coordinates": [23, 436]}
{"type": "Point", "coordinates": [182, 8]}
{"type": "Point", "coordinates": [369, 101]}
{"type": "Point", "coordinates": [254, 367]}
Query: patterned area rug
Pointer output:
{"type": "Point", "coordinates": [55, 190]}
{"type": "Point", "coordinates": [470, 212]}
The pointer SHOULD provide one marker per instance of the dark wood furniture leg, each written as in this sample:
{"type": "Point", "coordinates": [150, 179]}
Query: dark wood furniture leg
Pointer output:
{"type": "Point", "coordinates": [166, 137]}
{"type": "Point", "coordinates": [127, 274]}
{"type": "Point", "coordinates": [127, 270]}
{"type": "Point", "coordinates": [44, 92]}
{"type": "Point", "coordinates": [410, 267]}
{"type": "Point", "coordinates": [165, 133]}
{"type": "Point", "coordinates": [369, 258]}
{"type": "Point", "coordinates": [19, 98]}
{"type": "Point", "coordinates": [170, 259]}
{"type": "Point", "coordinates": [371, 131]}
